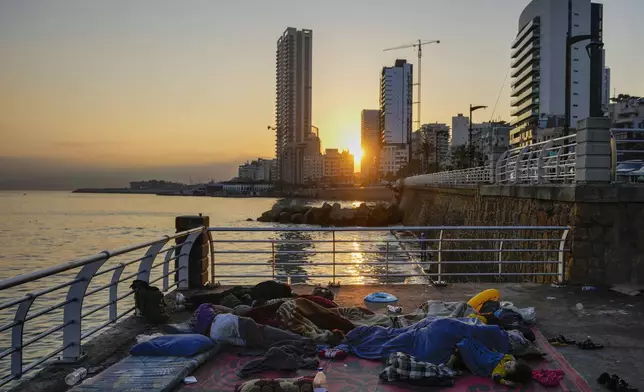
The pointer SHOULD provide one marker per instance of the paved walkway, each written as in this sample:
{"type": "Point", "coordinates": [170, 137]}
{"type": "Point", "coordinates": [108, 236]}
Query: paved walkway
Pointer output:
{"type": "Point", "coordinates": [608, 318]}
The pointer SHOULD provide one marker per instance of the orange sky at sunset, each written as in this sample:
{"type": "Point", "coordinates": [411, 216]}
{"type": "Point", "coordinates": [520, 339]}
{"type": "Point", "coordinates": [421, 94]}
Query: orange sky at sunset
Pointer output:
{"type": "Point", "coordinates": [152, 84]}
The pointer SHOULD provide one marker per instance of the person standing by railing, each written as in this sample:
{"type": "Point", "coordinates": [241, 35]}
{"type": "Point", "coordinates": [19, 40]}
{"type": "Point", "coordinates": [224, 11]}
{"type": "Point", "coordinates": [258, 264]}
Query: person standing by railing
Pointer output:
{"type": "Point", "coordinates": [423, 246]}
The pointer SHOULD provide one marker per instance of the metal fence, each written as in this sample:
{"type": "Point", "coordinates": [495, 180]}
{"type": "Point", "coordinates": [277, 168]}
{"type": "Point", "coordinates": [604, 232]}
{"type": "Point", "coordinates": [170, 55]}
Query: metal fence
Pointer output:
{"type": "Point", "coordinates": [324, 251]}
{"type": "Point", "coordinates": [92, 285]}
{"type": "Point", "coordinates": [552, 161]}
{"type": "Point", "coordinates": [472, 176]}
{"type": "Point", "coordinates": [627, 145]}
{"type": "Point", "coordinates": [292, 254]}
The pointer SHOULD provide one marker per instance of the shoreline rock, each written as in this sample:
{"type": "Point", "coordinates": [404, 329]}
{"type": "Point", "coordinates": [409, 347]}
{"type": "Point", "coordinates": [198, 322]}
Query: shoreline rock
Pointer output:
{"type": "Point", "coordinates": [381, 214]}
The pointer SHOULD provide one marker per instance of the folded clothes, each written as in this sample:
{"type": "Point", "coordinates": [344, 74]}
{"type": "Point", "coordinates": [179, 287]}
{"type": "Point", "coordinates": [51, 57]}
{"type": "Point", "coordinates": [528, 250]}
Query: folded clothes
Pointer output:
{"type": "Point", "coordinates": [404, 367]}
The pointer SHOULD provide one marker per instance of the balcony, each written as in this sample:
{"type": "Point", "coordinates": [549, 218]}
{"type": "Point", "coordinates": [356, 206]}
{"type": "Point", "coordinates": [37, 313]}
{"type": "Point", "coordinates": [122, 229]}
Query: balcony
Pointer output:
{"type": "Point", "coordinates": [528, 83]}
{"type": "Point", "coordinates": [525, 116]}
{"type": "Point", "coordinates": [529, 39]}
{"type": "Point", "coordinates": [528, 71]}
{"type": "Point", "coordinates": [525, 53]}
{"type": "Point", "coordinates": [525, 31]}
{"type": "Point", "coordinates": [527, 104]}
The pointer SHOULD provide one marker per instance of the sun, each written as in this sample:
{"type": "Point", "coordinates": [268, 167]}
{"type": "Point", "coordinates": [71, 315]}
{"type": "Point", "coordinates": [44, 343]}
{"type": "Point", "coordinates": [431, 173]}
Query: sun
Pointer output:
{"type": "Point", "coordinates": [357, 156]}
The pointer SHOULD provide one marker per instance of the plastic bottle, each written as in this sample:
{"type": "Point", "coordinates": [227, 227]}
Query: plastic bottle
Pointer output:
{"type": "Point", "coordinates": [76, 376]}
{"type": "Point", "coordinates": [319, 381]}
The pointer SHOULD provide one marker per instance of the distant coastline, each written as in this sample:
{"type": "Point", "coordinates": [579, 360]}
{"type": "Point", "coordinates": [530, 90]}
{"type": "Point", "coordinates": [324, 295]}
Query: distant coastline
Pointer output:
{"type": "Point", "coordinates": [364, 194]}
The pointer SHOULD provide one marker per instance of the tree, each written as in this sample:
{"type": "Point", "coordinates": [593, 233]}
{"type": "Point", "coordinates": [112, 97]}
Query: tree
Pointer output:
{"type": "Point", "coordinates": [461, 157]}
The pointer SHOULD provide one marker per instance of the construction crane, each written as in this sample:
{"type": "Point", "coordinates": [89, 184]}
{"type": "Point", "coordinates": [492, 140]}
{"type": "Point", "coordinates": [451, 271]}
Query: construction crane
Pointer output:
{"type": "Point", "coordinates": [419, 46]}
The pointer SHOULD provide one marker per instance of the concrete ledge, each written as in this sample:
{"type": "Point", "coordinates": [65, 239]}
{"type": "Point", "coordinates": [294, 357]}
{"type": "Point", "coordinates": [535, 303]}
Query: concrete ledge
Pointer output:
{"type": "Point", "coordinates": [471, 190]}
{"type": "Point", "coordinates": [596, 193]}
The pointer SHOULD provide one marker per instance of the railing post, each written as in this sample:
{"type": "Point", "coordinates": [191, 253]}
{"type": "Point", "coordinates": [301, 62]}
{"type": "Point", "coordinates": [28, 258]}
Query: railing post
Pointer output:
{"type": "Point", "coordinates": [114, 290]}
{"type": "Point", "coordinates": [73, 310]}
{"type": "Point", "coordinates": [211, 245]}
{"type": "Point", "coordinates": [17, 333]}
{"type": "Point", "coordinates": [183, 263]}
{"type": "Point", "coordinates": [333, 233]}
{"type": "Point", "coordinates": [273, 257]}
{"type": "Point", "coordinates": [500, 259]}
{"type": "Point", "coordinates": [387, 262]}
{"type": "Point", "coordinates": [562, 250]}
{"type": "Point", "coordinates": [542, 154]}
{"type": "Point", "coordinates": [502, 161]}
{"type": "Point", "coordinates": [517, 164]}
{"type": "Point", "coordinates": [145, 266]}
{"type": "Point", "coordinates": [439, 267]}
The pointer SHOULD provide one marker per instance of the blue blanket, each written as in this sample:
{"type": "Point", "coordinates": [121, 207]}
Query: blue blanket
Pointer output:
{"type": "Point", "coordinates": [431, 340]}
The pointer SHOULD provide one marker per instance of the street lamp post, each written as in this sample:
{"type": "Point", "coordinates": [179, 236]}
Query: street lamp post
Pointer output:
{"type": "Point", "coordinates": [570, 41]}
{"type": "Point", "coordinates": [470, 149]}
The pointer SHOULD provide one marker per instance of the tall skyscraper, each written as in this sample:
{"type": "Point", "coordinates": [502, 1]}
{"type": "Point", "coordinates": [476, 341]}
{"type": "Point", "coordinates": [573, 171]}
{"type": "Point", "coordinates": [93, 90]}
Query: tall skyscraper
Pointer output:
{"type": "Point", "coordinates": [370, 142]}
{"type": "Point", "coordinates": [293, 134]}
{"type": "Point", "coordinates": [539, 66]}
{"type": "Point", "coordinates": [396, 102]}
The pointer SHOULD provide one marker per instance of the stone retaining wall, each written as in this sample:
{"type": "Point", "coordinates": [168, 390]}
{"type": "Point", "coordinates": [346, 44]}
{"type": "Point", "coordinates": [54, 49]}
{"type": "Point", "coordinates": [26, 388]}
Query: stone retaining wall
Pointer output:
{"type": "Point", "coordinates": [607, 239]}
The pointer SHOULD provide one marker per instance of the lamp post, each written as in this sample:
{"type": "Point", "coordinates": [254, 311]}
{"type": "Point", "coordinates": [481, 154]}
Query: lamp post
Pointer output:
{"type": "Point", "coordinates": [470, 150]}
{"type": "Point", "coordinates": [570, 41]}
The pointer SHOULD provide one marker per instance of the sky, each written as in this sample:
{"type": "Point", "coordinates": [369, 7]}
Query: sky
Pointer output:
{"type": "Point", "coordinates": [98, 93]}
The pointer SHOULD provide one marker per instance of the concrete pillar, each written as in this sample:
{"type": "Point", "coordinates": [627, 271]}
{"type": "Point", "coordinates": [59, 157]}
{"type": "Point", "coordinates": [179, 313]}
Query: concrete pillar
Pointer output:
{"type": "Point", "coordinates": [198, 258]}
{"type": "Point", "coordinates": [593, 160]}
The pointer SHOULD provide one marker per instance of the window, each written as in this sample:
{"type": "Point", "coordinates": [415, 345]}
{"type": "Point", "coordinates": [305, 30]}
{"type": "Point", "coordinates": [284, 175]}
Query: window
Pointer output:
{"type": "Point", "coordinates": [575, 105]}
{"type": "Point", "coordinates": [576, 25]}
{"type": "Point", "coordinates": [575, 93]}
{"type": "Point", "coordinates": [574, 116]}
{"type": "Point", "coordinates": [575, 82]}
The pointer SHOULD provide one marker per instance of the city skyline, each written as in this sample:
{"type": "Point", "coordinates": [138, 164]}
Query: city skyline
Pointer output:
{"type": "Point", "coordinates": [113, 86]}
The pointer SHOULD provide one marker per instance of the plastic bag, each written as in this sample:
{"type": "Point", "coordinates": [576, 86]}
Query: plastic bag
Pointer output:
{"type": "Point", "coordinates": [529, 315]}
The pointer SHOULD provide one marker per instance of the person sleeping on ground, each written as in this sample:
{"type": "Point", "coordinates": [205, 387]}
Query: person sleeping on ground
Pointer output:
{"type": "Point", "coordinates": [220, 325]}
{"type": "Point", "coordinates": [430, 340]}
{"type": "Point", "coordinates": [481, 361]}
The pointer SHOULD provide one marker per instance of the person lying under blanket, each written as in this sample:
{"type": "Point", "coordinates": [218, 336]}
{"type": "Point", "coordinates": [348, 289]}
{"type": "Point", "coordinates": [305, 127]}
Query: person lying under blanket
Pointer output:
{"type": "Point", "coordinates": [430, 340]}
{"type": "Point", "coordinates": [481, 361]}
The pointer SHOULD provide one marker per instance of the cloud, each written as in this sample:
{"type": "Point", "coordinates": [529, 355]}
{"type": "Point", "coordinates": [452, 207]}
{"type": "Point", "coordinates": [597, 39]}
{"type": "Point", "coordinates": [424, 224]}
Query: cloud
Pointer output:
{"type": "Point", "coordinates": [38, 173]}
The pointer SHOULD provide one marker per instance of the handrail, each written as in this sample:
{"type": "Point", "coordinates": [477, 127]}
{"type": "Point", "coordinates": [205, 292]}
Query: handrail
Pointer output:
{"type": "Point", "coordinates": [357, 254]}
{"type": "Point", "coordinates": [87, 270]}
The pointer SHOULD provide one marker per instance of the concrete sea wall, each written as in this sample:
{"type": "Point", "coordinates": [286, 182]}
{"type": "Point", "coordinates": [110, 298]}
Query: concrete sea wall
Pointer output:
{"type": "Point", "coordinates": [607, 239]}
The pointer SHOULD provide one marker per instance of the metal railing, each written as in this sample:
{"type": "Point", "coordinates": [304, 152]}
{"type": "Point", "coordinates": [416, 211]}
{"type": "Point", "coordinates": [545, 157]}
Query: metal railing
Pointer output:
{"type": "Point", "coordinates": [552, 161]}
{"type": "Point", "coordinates": [85, 282]}
{"type": "Point", "coordinates": [373, 255]}
{"type": "Point", "coordinates": [473, 176]}
{"type": "Point", "coordinates": [627, 144]}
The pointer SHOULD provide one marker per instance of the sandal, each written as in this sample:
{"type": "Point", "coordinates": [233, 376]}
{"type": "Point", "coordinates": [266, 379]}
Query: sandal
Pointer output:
{"type": "Point", "coordinates": [614, 383]}
{"type": "Point", "coordinates": [561, 341]}
{"type": "Point", "coordinates": [589, 345]}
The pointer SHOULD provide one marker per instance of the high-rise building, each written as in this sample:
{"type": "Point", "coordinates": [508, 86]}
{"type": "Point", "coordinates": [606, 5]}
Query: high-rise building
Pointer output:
{"type": "Point", "coordinates": [370, 142]}
{"type": "Point", "coordinates": [293, 104]}
{"type": "Point", "coordinates": [539, 66]}
{"type": "Point", "coordinates": [460, 130]}
{"type": "Point", "coordinates": [258, 170]}
{"type": "Point", "coordinates": [491, 139]}
{"type": "Point", "coordinates": [430, 145]}
{"type": "Point", "coordinates": [396, 102]}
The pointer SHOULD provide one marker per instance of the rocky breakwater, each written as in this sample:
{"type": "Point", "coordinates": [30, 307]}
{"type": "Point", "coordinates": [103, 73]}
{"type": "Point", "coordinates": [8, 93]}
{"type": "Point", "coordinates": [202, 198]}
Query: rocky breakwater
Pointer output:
{"type": "Point", "coordinates": [382, 214]}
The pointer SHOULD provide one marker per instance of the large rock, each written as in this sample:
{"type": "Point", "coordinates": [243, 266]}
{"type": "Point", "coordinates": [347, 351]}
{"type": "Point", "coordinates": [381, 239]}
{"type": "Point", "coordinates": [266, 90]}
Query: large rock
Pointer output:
{"type": "Point", "coordinates": [362, 215]}
{"type": "Point", "coordinates": [297, 218]}
{"type": "Point", "coordinates": [285, 217]}
{"type": "Point", "coordinates": [343, 217]}
{"type": "Point", "coordinates": [267, 216]}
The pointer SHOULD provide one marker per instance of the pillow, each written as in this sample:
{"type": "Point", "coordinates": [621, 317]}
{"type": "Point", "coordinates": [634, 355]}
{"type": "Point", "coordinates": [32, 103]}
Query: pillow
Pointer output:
{"type": "Point", "coordinates": [184, 345]}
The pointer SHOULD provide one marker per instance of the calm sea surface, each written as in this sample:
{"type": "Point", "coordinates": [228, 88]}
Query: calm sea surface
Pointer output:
{"type": "Point", "coordinates": [42, 229]}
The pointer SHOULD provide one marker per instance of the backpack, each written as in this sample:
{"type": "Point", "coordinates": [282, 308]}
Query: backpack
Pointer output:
{"type": "Point", "coordinates": [149, 302]}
